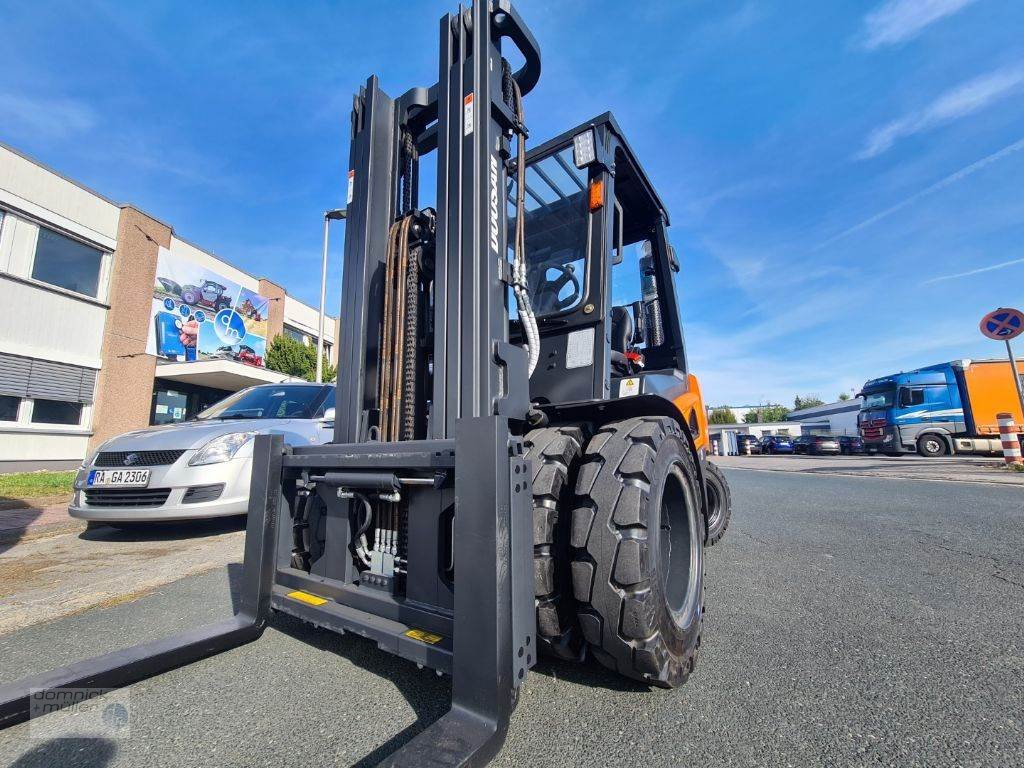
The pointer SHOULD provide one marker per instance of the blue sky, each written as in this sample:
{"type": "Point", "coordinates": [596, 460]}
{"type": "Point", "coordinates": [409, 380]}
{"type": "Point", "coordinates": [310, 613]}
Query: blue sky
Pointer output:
{"type": "Point", "coordinates": [844, 178]}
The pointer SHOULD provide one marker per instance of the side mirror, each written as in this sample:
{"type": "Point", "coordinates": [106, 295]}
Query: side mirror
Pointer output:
{"type": "Point", "coordinates": [328, 415]}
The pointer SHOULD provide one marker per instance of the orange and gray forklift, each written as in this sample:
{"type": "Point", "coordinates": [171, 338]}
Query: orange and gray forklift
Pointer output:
{"type": "Point", "coordinates": [518, 465]}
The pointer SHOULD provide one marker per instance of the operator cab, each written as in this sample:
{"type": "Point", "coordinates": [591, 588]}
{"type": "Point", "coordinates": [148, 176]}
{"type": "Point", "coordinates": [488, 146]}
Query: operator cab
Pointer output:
{"type": "Point", "coordinates": [599, 267]}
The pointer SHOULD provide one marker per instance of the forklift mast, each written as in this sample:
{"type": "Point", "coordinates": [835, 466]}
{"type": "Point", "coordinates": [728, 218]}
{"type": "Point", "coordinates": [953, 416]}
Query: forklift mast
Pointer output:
{"type": "Point", "coordinates": [467, 119]}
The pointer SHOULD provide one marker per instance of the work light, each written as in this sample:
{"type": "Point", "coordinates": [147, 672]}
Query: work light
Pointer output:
{"type": "Point", "coordinates": [584, 148]}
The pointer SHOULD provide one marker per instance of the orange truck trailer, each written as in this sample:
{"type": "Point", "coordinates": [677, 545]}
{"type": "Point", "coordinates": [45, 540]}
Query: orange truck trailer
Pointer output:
{"type": "Point", "coordinates": [941, 409]}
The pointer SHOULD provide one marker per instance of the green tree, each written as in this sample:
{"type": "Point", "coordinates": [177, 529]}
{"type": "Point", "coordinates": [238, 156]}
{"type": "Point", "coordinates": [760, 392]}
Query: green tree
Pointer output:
{"type": "Point", "coordinates": [293, 358]}
{"type": "Point", "coordinates": [844, 396]}
{"type": "Point", "coordinates": [769, 412]}
{"type": "Point", "coordinates": [722, 416]}
{"type": "Point", "coordinates": [807, 401]}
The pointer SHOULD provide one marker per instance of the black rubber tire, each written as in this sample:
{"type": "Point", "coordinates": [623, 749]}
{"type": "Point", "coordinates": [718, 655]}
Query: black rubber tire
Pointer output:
{"type": "Point", "coordinates": [620, 545]}
{"type": "Point", "coordinates": [931, 446]}
{"type": "Point", "coordinates": [554, 453]}
{"type": "Point", "coordinates": [719, 503]}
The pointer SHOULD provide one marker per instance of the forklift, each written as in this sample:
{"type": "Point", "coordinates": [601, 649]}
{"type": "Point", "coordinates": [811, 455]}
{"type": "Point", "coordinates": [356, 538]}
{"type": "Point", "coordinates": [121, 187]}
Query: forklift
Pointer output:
{"type": "Point", "coordinates": [519, 460]}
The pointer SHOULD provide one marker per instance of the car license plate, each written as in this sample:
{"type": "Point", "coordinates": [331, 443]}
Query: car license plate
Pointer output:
{"type": "Point", "coordinates": [119, 477]}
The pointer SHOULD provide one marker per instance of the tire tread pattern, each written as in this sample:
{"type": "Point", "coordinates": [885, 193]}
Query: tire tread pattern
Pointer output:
{"type": "Point", "coordinates": [615, 581]}
{"type": "Point", "coordinates": [717, 523]}
{"type": "Point", "coordinates": [554, 453]}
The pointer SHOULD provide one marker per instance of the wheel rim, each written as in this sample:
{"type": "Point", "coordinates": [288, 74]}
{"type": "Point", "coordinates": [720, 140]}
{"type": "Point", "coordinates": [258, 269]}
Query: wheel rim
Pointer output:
{"type": "Point", "coordinates": [680, 542]}
{"type": "Point", "coordinates": [714, 504]}
{"type": "Point", "coordinates": [931, 445]}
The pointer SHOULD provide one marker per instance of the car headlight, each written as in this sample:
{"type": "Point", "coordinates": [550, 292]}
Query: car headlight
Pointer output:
{"type": "Point", "coordinates": [221, 448]}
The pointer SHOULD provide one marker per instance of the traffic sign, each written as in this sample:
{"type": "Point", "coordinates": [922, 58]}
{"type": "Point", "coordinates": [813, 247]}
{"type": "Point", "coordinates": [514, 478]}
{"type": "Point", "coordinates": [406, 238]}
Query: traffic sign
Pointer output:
{"type": "Point", "coordinates": [1003, 324]}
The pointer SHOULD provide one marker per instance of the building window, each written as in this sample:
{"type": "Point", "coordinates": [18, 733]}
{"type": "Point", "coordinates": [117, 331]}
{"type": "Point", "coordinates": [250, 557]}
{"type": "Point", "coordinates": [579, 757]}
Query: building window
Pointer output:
{"type": "Point", "coordinates": [169, 406]}
{"type": "Point", "coordinates": [295, 333]}
{"type": "Point", "coordinates": [174, 402]}
{"type": "Point", "coordinates": [67, 263]}
{"type": "Point", "coordinates": [56, 412]}
{"type": "Point", "coordinates": [9, 407]}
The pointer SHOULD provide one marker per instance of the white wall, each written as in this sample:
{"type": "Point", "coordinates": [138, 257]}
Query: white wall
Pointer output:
{"type": "Point", "coordinates": [42, 321]}
{"type": "Point", "coordinates": [36, 445]}
{"type": "Point", "coordinates": [49, 325]}
{"type": "Point", "coordinates": [42, 194]}
{"type": "Point", "coordinates": [48, 322]}
{"type": "Point", "coordinates": [307, 319]}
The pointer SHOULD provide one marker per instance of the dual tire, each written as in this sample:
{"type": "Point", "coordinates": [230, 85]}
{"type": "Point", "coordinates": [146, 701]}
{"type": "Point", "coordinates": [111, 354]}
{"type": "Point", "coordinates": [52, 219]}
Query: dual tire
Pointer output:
{"type": "Point", "coordinates": [623, 575]}
{"type": "Point", "coordinates": [554, 453]}
{"type": "Point", "coordinates": [719, 503]}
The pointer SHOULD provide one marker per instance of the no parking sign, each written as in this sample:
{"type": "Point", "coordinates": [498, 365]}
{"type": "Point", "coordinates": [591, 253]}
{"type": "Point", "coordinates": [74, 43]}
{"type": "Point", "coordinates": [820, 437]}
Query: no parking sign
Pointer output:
{"type": "Point", "coordinates": [1003, 324]}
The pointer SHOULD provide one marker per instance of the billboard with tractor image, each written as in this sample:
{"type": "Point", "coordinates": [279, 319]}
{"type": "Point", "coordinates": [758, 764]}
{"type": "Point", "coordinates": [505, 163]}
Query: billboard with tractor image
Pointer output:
{"type": "Point", "coordinates": [201, 315]}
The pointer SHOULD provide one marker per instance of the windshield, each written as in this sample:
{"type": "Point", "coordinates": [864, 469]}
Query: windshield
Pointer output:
{"type": "Point", "coordinates": [275, 402]}
{"type": "Point", "coordinates": [883, 398]}
{"type": "Point", "coordinates": [557, 210]}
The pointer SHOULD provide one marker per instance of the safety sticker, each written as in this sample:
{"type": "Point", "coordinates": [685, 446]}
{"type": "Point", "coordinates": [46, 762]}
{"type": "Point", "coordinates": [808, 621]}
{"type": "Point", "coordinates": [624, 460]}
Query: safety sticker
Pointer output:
{"type": "Point", "coordinates": [306, 597]}
{"type": "Point", "coordinates": [424, 637]}
{"type": "Point", "coordinates": [629, 387]}
{"type": "Point", "coordinates": [351, 184]}
{"type": "Point", "coordinates": [467, 115]}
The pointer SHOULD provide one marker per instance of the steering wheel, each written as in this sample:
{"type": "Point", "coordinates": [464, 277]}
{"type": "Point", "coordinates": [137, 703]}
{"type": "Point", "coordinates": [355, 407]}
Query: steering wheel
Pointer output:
{"type": "Point", "coordinates": [548, 292]}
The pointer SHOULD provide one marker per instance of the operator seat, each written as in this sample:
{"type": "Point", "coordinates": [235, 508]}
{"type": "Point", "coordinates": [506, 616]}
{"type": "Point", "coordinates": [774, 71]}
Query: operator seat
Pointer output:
{"type": "Point", "coordinates": [622, 328]}
{"type": "Point", "coordinates": [622, 337]}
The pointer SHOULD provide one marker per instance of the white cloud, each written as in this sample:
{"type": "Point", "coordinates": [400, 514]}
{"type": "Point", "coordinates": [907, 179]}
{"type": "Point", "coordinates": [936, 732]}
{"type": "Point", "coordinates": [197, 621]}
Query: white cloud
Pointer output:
{"type": "Point", "coordinates": [954, 104]}
{"type": "Point", "coordinates": [941, 184]}
{"type": "Point", "coordinates": [978, 271]}
{"type": "Point", "coordinates": [897, 21]}
{"type": "Point", "coordinates": [738, 374]}
{"type": "Point", "coordinates": [40, 116]}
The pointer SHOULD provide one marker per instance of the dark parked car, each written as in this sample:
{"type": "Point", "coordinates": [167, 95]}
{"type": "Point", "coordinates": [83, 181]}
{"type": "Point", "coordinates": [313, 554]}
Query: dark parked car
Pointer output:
{"type": "Point", "coordinates": [776, 444]}
{"type": "Point", "coordinates": [850, 444]}
{"type": "Point", "coordinates": [816, 445]}
{"type": "Point", "coordinates": [743, 441]}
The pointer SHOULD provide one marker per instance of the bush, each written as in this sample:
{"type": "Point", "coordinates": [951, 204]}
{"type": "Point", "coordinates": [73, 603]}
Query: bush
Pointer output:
{"type": "Point", "coordinates": [293, 358]}
{"type": "Point", "coordinates": [722, 416]}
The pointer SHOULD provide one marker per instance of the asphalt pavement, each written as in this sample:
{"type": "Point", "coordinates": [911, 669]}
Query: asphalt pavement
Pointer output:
{"type": "Point", "coordinates": [851, 621]}
{"type": "Point", "coordinates": [967, 469]}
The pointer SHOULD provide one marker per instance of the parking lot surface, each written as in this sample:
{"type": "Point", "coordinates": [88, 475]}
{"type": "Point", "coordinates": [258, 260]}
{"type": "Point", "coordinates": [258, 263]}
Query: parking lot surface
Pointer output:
{"type": "Point", "coordinates": [851, 621]}
{"type": "Point", "coordinates": [973, 469]}
{"type": "Point", "coordinates": [52, 566]}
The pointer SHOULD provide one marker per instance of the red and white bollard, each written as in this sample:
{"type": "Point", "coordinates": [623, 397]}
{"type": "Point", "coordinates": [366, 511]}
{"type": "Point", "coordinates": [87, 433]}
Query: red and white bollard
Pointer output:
{"type": "Point", "coordinates": [1008, 437]}
{"type": "Point", "coordinates": [747, 443]}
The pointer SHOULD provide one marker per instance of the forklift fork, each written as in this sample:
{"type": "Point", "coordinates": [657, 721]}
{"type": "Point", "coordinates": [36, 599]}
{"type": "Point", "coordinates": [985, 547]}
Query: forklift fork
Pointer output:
{"type": "Point", "coordinates": [483, 690]}
{"type": "Point", "coordinates": [138, 662]}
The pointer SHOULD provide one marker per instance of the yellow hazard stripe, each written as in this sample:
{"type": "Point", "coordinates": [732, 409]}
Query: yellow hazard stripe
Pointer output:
{"type": "Point", "coordinates": [305, 597]}
{"type": "Point", "coordinates": [424, 637]}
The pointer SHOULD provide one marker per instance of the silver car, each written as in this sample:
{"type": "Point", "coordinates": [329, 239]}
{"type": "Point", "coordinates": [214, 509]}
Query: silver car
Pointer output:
{"type": "Point", "coordinates": [199, 468]}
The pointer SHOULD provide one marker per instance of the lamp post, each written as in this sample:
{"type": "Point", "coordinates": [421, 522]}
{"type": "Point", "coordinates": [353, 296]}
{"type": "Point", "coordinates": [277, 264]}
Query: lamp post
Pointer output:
{"type": "Point", "coordinates": [336, 215]}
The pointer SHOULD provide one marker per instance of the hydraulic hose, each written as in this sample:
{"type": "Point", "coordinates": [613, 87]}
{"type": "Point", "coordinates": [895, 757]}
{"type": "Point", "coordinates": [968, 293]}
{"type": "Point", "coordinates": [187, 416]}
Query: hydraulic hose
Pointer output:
{"type": "Point", "coordinates": [512, 92]}
{"type": "Point", "coordinates": [359, 531]}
